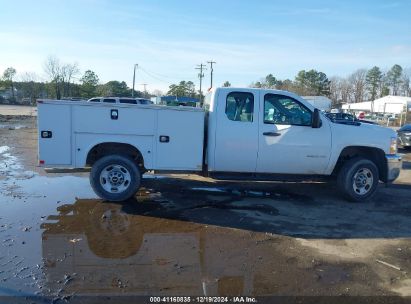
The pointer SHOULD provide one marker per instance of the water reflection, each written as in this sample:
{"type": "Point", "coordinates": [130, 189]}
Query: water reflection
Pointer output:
{"type": "Point", "coordinates": [99, 248]}
{"type": "Point", "coordinates": [95, 247]}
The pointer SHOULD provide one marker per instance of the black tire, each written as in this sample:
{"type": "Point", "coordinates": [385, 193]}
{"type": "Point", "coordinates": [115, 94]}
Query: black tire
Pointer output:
{"type": "Point", "coordinates": [133, 178]}
{"type": "Point", "coordinates": [346, 182]}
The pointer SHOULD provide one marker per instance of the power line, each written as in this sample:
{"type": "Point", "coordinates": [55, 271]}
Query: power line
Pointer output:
{"type": "Point", "coordinates": [154, 77]}
{"type": "Point", "coordinates": [160, 75]}
{"type": "Point", "coordinates": [142, 76]}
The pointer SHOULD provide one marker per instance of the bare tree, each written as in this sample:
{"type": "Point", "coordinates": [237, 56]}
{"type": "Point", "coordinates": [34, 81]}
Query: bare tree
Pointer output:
{"type": "Point", "coordinates": [53, 69]}
{"type": "Point", "coordinates": [61, 75]}
{"type": "Point", "coordinates": [346, 91]}
{"type": "Point", "coordinates": [405, 82]}
{"type": "Point", "coordinates": [29, 77]}
{"type": "Point", "coordinates": [357, 81]}
{"type": "Point", "coordinates": [68, 71]}
{"type": "Point", "coordinates": [341, 91]}
{"type": "Point", "coordinates": [335, 89]}
{"type": "Point", "coordinates": [157, 93]}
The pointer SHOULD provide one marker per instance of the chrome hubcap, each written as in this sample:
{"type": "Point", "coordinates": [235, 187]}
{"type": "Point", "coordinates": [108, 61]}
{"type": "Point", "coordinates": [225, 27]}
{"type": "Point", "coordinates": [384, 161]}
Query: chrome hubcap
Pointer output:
{"type": "Point", "coordinates": [115, 178]}
{"type": "Point", "coordinates": [362, 181]}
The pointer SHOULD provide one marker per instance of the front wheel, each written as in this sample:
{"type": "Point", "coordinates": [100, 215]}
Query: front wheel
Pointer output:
{"type": "Point", "coordinates": [115, 178]}
{"type": "Point", "coordinates": [358, 179]}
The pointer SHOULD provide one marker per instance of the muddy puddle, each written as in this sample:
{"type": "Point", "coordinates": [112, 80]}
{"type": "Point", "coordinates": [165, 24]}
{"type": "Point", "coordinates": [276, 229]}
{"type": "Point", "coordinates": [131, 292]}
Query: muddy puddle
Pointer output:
{"type": "Point", "coordinates": [92, 246]}
{"type": "Point", "coordinates": [26, 200]}
{"type": "Point", "coordinates": [101, 248]}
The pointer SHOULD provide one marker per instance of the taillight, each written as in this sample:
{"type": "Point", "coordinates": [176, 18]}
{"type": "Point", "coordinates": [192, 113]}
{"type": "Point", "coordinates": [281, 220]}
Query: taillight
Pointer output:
{"type": "Point", "coordinates": [41, 162]}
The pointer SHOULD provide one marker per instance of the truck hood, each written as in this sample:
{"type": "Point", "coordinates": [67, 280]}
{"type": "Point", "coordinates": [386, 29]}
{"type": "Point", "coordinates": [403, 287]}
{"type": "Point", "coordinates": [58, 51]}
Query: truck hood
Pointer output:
{"type": "Point", "coordinates": [378, 129]}
{"type": "Point", "coordinates": [364, 134]}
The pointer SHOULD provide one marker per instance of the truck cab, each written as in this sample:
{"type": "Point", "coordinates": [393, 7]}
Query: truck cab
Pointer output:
{"type": "Point", "coordinates": [265, 131]}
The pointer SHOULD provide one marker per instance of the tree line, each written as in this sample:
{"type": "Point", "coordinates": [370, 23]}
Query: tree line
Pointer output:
{"type": "Point", "coordinates": [183, 89]}
{"type": "Point", "coordinates": [63, 81]}
{"type": "Point", "coordinates": [361, 85]}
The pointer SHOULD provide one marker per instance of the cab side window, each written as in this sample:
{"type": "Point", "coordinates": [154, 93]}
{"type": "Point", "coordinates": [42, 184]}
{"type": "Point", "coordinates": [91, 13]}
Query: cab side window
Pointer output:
{"type": "Point", "coordinates": [284, 110]}
{"type": "Point", "coordinates": [240, 106]}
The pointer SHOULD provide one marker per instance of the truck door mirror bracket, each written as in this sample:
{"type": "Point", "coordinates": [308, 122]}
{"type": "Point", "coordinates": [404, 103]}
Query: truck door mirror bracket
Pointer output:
{"type": "Point", "coordinates": [316, 120]}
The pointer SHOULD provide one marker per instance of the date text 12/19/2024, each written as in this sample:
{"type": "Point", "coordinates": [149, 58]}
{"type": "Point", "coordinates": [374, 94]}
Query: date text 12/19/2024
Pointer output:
{"type": "Point", "coordinates": [203, 300]}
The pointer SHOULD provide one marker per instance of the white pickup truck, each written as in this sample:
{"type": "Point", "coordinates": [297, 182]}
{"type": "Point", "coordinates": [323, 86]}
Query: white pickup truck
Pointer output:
{"type": "Point", "coordinates": [241, 133]}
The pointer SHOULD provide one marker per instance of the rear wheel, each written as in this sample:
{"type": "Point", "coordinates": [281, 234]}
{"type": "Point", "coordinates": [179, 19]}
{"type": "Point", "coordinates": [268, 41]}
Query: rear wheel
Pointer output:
{"type": "Point", "coordinates": [115, 178]}
{"type": "Point", "coordinates": [358, 179]}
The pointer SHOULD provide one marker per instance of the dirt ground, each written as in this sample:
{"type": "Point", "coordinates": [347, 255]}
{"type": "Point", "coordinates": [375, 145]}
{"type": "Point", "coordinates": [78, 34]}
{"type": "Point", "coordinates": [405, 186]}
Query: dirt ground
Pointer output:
{"type": "Point", "coordinates": [193, 236]}
{"type": "Point", "coordinates": [17, 110]}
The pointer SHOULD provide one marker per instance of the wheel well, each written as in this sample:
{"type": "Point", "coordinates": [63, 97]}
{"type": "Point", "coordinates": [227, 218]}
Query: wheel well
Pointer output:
{"type": "Point", "coordinates": [109, 148]}
{"type": "Point", "coordinates": [376, 155]}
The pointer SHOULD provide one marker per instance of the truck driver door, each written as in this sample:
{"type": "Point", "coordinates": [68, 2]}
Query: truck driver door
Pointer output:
{"type": "Point", "coordinates": [287, 142]}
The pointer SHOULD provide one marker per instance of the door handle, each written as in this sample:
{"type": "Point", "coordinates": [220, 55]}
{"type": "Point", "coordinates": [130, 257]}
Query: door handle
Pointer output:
{"type": "Point", "coordinates": [164, 139]}
{"type": "Point", "coordinates": [271, 134]}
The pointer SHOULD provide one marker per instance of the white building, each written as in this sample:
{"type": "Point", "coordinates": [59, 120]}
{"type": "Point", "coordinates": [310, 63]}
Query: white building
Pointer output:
{"type": "Point", "coordinates": [387, 104]}
{"type": "Point", "coordinates": [320, 102]}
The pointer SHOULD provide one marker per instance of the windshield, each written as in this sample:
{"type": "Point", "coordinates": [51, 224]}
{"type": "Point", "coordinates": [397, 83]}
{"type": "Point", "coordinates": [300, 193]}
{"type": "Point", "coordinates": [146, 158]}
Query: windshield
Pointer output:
{"type": "Point", "coordinates": [340, 116]}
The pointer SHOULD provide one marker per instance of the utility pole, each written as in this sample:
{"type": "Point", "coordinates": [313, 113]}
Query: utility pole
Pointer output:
{"type": "Point", "coordinates": [134, 79]}
{"type": "Point", "coordinates": [145, 90]}
{"type": "Point", "coordinates": [211, 70]}
{"type": "Point", "coordinates": [201, 67]}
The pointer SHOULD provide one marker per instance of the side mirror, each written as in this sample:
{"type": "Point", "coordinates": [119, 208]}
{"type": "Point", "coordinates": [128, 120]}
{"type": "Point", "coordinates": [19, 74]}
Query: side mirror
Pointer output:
{"type": "Point", "coordinates": [316, 120]}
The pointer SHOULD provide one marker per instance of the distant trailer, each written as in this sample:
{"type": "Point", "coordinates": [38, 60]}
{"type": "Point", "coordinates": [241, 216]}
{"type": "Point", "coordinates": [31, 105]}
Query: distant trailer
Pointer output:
{"type": "Point", "coordinates": [320, 102]}
{"type": "Point", "coordinates": [387, 104]}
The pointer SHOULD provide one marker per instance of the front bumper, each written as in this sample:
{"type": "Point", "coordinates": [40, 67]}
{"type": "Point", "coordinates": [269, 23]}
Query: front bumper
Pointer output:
{"type": "Point", "coordinates": [394, 166]}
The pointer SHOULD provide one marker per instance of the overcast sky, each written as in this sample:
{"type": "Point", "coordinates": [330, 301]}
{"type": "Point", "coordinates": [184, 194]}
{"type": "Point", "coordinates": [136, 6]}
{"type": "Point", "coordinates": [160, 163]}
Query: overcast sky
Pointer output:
{"type": "Point", "coordinates": [247, 39]}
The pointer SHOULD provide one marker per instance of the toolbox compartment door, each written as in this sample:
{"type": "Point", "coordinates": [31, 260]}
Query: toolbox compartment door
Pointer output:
{"type": "Point", "coordinates": [54, 134]}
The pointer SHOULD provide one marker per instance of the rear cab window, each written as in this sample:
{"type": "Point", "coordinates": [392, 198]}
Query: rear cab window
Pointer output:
{"type": "Point", "coordinates": [240, 106]}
